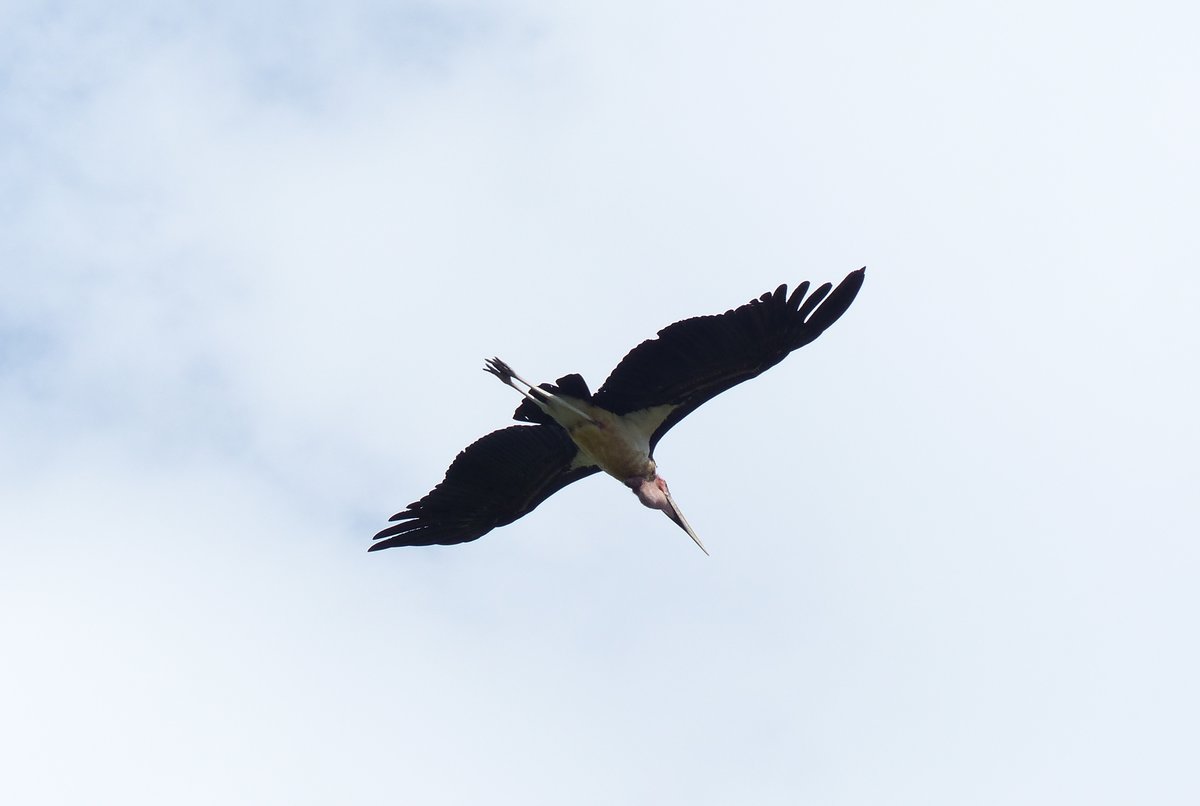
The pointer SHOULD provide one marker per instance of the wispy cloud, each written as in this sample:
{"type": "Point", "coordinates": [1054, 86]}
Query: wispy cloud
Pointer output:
{"type": "Point", "coordinates": [252, 255]}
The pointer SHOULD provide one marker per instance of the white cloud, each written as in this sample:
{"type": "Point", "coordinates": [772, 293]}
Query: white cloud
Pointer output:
{"type": "Point", "coordinates": [253, 256]}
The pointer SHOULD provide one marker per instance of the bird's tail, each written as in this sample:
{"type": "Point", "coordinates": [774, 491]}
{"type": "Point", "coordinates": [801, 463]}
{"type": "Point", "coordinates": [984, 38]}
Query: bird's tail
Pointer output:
{"type": "Point", "coordinates": [531, 409]}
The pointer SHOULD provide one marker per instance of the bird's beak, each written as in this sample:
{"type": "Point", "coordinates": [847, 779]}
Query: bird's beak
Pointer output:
{"type": "Point", "coordinates": [676, 514]}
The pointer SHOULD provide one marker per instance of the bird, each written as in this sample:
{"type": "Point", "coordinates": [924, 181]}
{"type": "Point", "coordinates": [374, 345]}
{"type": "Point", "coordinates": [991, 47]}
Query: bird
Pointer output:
{"type": "Point", "coordinates": [569, 433]}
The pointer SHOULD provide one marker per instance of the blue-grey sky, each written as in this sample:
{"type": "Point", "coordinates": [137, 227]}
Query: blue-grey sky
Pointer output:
{"type": "Point", "coordinates": [252, 257]}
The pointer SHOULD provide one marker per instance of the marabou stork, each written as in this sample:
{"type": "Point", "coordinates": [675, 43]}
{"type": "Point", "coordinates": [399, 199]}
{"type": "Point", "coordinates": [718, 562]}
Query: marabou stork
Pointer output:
{"type": "Point", "coordinates": [575, 433]}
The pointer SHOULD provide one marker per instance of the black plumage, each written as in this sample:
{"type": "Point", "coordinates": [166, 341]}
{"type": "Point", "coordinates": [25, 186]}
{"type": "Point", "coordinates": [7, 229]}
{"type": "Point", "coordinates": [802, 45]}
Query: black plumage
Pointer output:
{"type": "Point", "coordinates": [573, 385]}
{"type": "Point", "coordinates": [492, 482]}
{"type": "Point", "coordinates": [693, 361]}
{"type": "Point", "coordinates": [507, 473]}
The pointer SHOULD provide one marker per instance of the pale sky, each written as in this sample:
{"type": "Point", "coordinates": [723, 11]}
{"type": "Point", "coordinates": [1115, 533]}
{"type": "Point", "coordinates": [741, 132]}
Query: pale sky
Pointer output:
{"type": "Point", "coordinates": [252, 257]}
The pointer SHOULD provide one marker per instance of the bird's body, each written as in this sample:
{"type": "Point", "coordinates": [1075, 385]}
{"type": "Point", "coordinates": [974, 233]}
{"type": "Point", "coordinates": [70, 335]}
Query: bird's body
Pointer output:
{"type": "Point", "coordinates": [614, 445]}
{"type": "Point", "coordinates": [575, 433]}
{"type": "Point", "coordinates": [617, 444]}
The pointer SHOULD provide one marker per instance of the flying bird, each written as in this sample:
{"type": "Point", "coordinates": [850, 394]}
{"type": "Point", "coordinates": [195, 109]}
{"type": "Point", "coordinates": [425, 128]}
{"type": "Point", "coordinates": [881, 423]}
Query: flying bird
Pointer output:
{"type": "Point", "coordinates": [573, 433]}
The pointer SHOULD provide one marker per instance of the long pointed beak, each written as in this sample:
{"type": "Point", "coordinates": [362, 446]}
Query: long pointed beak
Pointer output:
{"type": "Point", "coordinates": [676, 514]}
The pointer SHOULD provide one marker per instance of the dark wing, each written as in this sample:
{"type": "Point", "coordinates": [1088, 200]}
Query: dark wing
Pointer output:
{"type": "Point", "coordinates": [494, 481]}
{"type": "Point", "coordinates": [573, 385]}
{"type": "Point", "coordinates": [695, 360]}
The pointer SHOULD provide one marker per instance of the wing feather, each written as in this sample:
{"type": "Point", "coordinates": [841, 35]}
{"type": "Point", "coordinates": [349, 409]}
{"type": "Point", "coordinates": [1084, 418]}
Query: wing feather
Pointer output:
{"type": "Point", "coordinates": [694, 360]}
{"type": "Point", "coordinates": [493, 482]}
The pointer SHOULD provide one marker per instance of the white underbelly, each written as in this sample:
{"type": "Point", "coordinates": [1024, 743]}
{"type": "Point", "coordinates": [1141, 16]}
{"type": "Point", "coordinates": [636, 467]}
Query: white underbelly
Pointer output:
{"type": "Point", "coordinates": [619, 445]}
{"type": "Point", "coordinates": [613, 450]}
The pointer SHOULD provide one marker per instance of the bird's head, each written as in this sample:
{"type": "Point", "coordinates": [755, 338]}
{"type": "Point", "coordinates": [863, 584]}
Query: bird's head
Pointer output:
{"type": "Point", "coordinates": [654, 493]}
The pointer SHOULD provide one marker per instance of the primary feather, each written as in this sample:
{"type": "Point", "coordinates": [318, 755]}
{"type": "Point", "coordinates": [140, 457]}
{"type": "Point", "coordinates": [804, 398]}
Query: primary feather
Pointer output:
{"type": "Point", "coordinates": [506, 474]}
{"type": "Point", "coordinates": [693, 361]}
